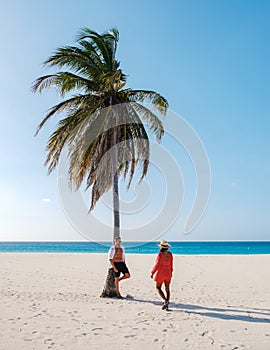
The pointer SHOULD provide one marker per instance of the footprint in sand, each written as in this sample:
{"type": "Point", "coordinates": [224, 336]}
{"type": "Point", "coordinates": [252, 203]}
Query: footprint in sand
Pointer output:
{"type": "Point", "coordinates": [130, 336]}
{"type": "Point", "coordinates": [48, 340]}
{"type": "Point", "coordinates": [96, 329]}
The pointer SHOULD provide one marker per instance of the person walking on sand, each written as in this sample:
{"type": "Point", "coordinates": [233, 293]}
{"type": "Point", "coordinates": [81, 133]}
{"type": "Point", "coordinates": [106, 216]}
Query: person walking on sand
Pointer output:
{"type": "Point", "coordinates": [162, 272]}
{"type": "Point", "coordinates": [116, 257]}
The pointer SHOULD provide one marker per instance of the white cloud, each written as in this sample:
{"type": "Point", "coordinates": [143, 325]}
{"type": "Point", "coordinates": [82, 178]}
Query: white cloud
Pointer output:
{"type": "Point", "coordinates": [46, 200]}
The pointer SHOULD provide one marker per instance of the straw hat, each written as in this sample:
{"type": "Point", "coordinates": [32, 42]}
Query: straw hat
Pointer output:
{"type": "Point", "coordinates": [163, 244]}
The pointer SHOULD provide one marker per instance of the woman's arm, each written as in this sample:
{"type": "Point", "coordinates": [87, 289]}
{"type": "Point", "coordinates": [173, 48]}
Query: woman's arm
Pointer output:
{"type": "Point", "coordinates": [154, 269]}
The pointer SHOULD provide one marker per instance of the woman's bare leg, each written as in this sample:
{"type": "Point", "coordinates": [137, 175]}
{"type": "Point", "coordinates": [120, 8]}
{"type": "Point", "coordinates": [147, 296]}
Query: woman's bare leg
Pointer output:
{"type": "Point", "coordinates": [160, 292]}
{"type": "Point", "coordinates": [167, 288]}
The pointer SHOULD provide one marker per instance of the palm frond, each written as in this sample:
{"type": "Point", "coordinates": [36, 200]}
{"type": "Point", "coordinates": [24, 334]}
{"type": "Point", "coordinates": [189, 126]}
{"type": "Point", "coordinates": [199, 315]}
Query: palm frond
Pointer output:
{"type": "Point", "coordinates": [76, 100]}
{"type": "Point", "coordinates": [75, 58]}
{"type": "Point", "coordinates": [64, 82]}
{"type": "Point", "coordinates": [152, 97]}
{"type": "Point", "coordinates": [57, 141]}
{"type": "Point", "coordinates": [155, 125]}
{"type": "Point", "coordinates": [105, 44]}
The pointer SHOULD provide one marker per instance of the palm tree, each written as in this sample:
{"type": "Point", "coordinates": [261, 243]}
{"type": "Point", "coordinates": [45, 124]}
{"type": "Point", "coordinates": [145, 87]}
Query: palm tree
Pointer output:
{"type": "Point", "coordinates": [102, 126]}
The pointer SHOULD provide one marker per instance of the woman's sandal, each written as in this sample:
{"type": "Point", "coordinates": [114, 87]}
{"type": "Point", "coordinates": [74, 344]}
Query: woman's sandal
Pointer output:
{"type": "Point", "coordinates": [165, 305]}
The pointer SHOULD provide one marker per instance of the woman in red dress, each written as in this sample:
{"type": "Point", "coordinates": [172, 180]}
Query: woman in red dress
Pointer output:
{"type": "Point", "coordinates": [162, 272]}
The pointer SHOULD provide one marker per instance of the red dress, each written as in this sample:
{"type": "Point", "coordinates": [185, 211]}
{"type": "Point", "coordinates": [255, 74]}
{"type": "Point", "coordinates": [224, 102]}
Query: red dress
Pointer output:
{"type": "Point", "coordinates": [163, 268]}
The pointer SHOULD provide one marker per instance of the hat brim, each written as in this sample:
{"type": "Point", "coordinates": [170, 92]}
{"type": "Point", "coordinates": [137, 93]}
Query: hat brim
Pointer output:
{"type": "Point", "coordinates": [164, 246]}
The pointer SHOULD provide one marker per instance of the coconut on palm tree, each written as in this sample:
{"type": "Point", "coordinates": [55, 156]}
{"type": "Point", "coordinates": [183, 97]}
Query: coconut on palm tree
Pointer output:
{"type": "Point", "coordinates": [104, 125]}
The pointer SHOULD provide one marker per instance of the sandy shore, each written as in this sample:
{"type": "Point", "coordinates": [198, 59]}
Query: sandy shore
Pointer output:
{"type": "Point", "coordinates": [51, 301]}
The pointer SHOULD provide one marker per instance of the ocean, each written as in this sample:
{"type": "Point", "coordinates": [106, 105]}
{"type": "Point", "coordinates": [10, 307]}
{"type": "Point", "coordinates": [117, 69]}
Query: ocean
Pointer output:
{"type": "Point", "coordinates": [182, 248]}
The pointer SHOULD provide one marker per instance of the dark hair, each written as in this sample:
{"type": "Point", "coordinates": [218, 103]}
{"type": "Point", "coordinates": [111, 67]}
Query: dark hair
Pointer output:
{"type": "Point", "coordinates": [116, 238]}
{"type": "Point", "coordinates": [163, 249]}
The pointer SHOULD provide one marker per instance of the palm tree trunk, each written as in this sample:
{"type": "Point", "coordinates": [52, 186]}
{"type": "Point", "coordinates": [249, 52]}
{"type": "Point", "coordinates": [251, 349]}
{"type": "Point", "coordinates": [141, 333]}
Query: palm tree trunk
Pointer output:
{"type": "Point", "coordinates": [116, 215]}
{"type": "Point", "coordinates": [109, 288]}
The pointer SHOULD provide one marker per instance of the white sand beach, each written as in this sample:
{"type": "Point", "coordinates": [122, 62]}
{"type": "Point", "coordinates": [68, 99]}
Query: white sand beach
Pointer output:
{"type": "Point", "coordinates": [51, 301]}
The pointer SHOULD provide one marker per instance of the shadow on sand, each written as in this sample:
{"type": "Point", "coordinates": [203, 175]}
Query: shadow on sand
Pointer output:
{"type": "Point", "coordinates": [221, 313]}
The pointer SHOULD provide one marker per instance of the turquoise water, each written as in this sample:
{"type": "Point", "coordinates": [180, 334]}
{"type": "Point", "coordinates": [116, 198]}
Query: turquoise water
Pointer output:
{"type": "Point", "coordinates": [191, 248]}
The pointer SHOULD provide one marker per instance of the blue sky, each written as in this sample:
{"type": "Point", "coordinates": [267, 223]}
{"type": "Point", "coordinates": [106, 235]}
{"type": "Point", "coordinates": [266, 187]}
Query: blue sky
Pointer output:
{"type": "Point", "coordinates": [210, 59]}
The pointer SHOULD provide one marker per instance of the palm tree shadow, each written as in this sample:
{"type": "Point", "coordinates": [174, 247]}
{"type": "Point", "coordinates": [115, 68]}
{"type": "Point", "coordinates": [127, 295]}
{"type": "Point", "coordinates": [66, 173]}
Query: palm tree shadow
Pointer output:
{"type": "Point", "coordinates": [220, 313]}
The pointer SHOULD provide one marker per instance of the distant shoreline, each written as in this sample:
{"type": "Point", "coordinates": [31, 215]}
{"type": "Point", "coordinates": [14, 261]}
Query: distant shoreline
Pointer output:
{"type": "Point", "coordinates": [177, 247]}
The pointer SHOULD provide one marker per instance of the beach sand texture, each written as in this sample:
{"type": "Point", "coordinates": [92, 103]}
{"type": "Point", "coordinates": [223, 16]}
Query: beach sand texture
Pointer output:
{"type": "Point", "coordinates": [51, 301]}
